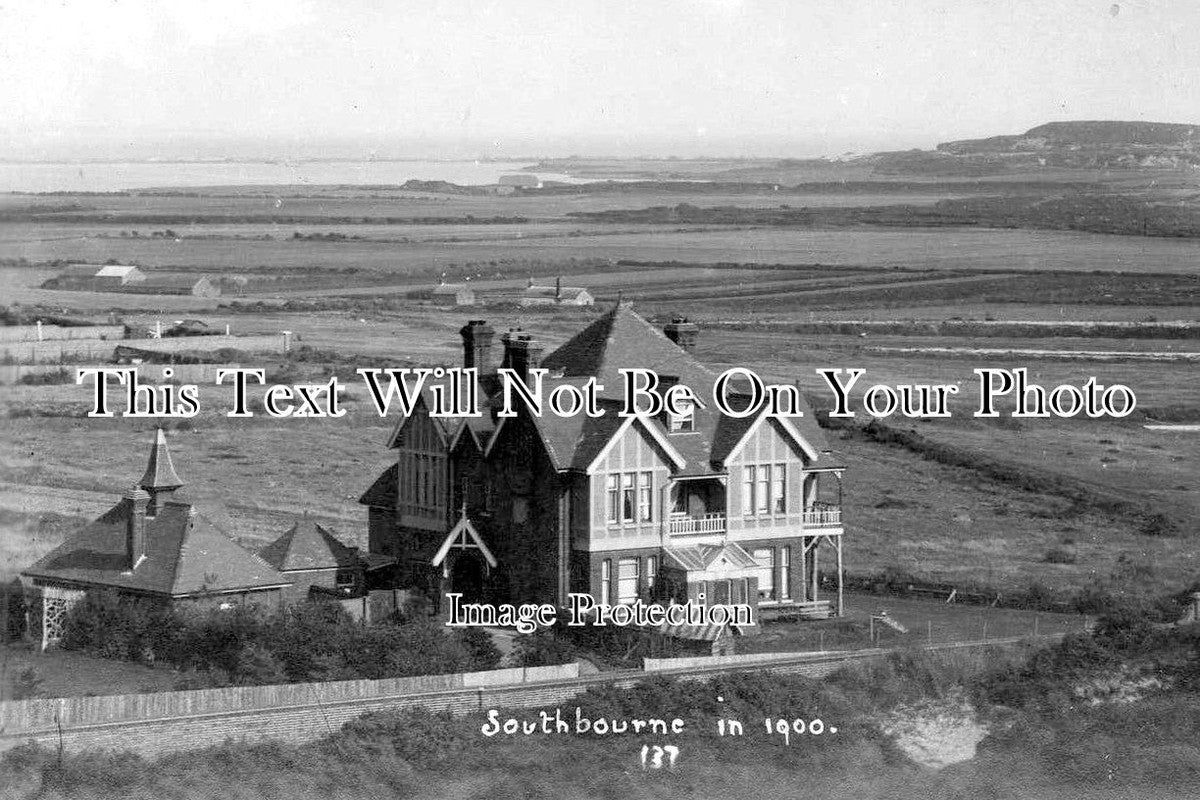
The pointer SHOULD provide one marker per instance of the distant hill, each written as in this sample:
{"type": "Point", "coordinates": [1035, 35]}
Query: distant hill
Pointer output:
{"type": "Point", "coordinates": [1076, 135]}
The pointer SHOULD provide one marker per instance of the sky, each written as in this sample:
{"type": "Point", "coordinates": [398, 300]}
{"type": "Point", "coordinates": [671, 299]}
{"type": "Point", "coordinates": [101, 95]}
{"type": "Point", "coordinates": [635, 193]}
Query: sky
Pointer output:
{"type": "Point", "coordinates": [595, 77]}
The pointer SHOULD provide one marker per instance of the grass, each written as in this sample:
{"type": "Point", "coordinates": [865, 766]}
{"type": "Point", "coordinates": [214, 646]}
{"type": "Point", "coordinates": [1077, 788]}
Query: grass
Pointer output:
{"type": "Point", "coordinates": [1037, 746]}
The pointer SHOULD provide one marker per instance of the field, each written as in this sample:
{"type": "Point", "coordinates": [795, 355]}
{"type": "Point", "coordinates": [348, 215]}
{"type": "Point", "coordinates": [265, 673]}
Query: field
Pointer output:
{"type": "Point", "coordinates": [1007, 504]}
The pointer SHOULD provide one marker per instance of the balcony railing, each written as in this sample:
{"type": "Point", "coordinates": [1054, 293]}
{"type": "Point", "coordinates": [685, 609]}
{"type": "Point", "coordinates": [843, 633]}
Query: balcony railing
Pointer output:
{"type": "Point", "coordinates": [822, 515]}
{"type": "Point", "coordinates": [709, 523]}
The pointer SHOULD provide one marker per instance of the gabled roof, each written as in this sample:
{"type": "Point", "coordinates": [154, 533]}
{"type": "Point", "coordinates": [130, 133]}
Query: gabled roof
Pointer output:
{"type": "Point", "coordinates": [464, 536]}
{"type": "Point", "coordinates": [308, 545]}
{"type": "Point", "coordinates": [700, 558]}
{"type": "Point", "coordinates": [80, 271]}
{"type": "Point", "coordinates": [116, 271]}
{"type": "Point", "coordinates": [446, 427]}
{"type": "Point", "coordinates": [384, 491]}
{"type": "Point", "coordinates": [185, 555]}
{"type": "Point", "coordinates": [160, 472]}
{"type": "Point", "coordinates": [619, 340]}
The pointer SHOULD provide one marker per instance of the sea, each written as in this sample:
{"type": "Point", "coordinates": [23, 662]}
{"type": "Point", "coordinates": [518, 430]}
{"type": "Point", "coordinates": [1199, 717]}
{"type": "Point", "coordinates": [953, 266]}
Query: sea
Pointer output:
{"type": "Point", "coordinates": [118, 176]}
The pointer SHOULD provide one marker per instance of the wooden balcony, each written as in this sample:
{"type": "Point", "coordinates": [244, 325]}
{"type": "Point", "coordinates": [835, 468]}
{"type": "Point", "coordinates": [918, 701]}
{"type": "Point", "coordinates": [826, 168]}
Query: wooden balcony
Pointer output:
{"type": "Point", "coordinates": [822, 515]}
{"type": "Point", "coordinates": [709, 523]}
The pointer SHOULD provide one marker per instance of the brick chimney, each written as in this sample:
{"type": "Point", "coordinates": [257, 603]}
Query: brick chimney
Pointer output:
{"type": "Point", "coordinates": [135, 525]}
{"type": "Point", "coordinates": [521, 352]}
{"type": "Point", "coordinates": [682, 332]}
{"type": "Point", "coordinates": [477, 346]}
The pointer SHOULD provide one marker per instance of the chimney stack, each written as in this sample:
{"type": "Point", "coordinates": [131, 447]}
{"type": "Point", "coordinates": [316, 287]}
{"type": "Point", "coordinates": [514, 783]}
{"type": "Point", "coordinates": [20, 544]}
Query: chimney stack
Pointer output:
{"type": "Point", "coordinates": [558, 288]}
{"type": "Point", "coordinates": [135, 525]}
{"type": "Point", "coordinates": [522, 353]}
{"type": "Point", "coordinates": [682, 332]}
{"type": "Point", "coordinates": [477, 346]}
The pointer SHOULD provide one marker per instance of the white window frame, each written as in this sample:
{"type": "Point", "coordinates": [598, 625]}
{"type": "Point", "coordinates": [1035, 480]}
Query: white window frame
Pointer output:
{"type": "Point", "coordinates": [612, 486]}
{"type": "Point", "coordinates": [765, 556]}
{"type": "Point", "coordinates": [779, 489]}
{"type": "Point", "coordinates": [628, 575]}
{"type": "Point", "coordinates": [785, 569]}
{"type": "Point", "coordinates": [645, 497]}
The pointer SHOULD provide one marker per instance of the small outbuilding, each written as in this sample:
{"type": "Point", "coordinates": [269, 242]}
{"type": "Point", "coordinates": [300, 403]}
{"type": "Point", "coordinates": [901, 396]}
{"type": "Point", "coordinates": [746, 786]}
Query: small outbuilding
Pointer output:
{"type": "Point", "coordinates": [555, 295]}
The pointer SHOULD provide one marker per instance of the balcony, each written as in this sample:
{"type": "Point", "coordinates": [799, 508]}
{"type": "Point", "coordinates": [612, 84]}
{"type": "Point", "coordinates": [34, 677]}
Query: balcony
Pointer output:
{"type": "Point", "coordinates": [822, 515]}
{"type": "Point", "coordinates": [708, 523]}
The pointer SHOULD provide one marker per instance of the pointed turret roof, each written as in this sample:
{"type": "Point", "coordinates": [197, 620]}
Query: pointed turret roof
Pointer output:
{"type": "Point", "coordinates": [308, 545]}
{"type": "Point", "coordinates": [160, 472]}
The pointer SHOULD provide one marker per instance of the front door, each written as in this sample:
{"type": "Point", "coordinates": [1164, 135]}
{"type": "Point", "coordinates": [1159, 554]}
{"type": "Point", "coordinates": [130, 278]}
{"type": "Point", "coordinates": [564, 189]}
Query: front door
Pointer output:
{"type": "Point", "coordinates": [466, 576]}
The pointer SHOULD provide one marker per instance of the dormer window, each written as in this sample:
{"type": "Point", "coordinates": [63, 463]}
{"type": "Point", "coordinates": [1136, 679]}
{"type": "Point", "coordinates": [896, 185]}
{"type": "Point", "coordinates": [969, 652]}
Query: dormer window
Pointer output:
{"type": "Point", "coordinates": [685, 420]}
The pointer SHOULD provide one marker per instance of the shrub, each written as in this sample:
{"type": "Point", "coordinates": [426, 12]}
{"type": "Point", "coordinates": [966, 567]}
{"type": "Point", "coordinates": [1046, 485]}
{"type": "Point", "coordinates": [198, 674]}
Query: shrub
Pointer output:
{"type": "Point", "coordinates": [540, 649]}
{"type": "Point", "coordinates": [479, 646]}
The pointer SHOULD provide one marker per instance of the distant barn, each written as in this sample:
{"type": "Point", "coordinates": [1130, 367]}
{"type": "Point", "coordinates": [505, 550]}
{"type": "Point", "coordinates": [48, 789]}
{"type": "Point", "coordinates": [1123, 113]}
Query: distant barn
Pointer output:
{"type": "Point", "coordinates": [95, 278]}
{"type": "Point", "coordinates": [556, 295]}
{"type": "Point", "coordinates": [446, 294]}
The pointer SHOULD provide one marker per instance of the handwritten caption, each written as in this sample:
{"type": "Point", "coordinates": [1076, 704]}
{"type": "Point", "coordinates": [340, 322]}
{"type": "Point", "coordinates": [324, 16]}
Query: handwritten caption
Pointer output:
{"type": "Point", "coordinates": [651, 756]}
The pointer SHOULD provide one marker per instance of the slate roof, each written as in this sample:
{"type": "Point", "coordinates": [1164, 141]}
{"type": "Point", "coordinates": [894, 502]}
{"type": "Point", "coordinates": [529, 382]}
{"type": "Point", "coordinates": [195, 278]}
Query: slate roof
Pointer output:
{"type": "Point", "coordinates": [308, 545]}
{"type": "Point", "coordinates": [80, 270]}
{"type": "Point", "coordinates": [383, 492]}
{"type": "Point", "coordinates": [621, 339]}
{"type": "Point", "coordinates": [185, 555]}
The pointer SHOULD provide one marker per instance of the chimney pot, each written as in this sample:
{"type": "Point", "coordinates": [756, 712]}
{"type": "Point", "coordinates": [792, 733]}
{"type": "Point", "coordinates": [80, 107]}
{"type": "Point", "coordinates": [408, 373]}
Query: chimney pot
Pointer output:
{"type": "Point", "coordinates": [682, 332]}
{"type": "Point", "coordinates": [522, 353]}
{"type": "Point", "coordinates": [477, 346]}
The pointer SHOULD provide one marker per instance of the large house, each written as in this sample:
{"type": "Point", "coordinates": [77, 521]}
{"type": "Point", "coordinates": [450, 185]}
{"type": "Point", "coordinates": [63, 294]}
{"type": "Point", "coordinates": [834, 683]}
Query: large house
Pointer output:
{"type": "Point", "coordinates": [529, 508]}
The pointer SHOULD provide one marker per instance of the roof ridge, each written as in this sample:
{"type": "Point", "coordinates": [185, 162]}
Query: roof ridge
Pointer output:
{"type": "Point", "coordinates": [184, 540]}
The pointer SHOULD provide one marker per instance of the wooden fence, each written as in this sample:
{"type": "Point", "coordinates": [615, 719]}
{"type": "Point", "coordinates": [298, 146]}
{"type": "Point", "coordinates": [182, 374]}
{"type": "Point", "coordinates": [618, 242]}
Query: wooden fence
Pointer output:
{"type": "Point", "coordinates": [184, 373]}
{"type": "Point", "coordinates": [69, 350]}
{"type": "Point", "coordinates": [49, 333]}
{"type": "Point", "coordinates": [26, 716]}
{"type": "Point", "coordinates": [156, 723]}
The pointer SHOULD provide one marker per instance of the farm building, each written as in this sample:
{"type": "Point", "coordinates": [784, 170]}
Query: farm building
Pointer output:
{"type": "Point", "coordinates": [555, 295]}
{"type": "Point", "coordinates": [664, 508]}
{"type": "Point", "coordinates": [446, 294]}
{"type": "Point", "coordinates": [96, 278]}
{"type": "Point", "coordinates": [176, 284]}
{"type": "Point", "coordinates": [153, 545]}
{"type": "Point", "coordinates": [520, 180]}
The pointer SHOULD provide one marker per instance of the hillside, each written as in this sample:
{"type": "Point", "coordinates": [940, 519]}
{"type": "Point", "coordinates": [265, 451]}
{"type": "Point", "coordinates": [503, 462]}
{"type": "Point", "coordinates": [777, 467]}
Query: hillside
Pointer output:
{"type": "Point", "coordinates": [1083, 144]}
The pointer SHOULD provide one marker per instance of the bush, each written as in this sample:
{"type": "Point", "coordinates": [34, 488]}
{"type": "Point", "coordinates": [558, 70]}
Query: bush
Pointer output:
{"type": "Point", "coordinates": [480, 648]}
{"type": "Point", "coordinates": [541, 649]}
{"type": "Point", "coordinates": [306, 642]}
